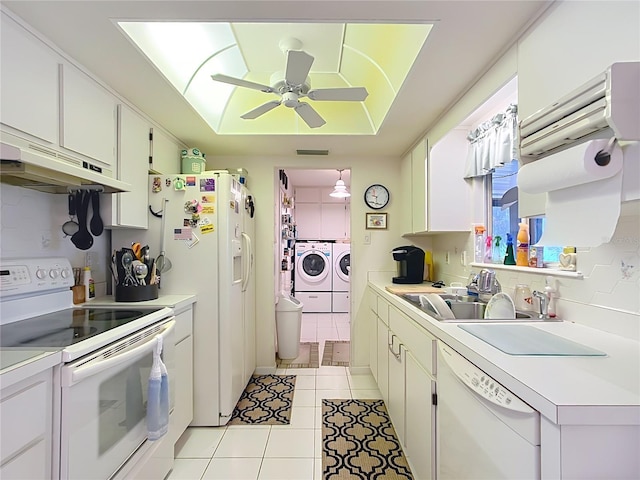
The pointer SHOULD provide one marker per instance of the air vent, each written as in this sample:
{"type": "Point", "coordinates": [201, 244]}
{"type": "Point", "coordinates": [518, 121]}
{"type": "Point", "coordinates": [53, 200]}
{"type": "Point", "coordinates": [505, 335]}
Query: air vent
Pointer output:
{"type": "Point", "coordinates": [312, 152]}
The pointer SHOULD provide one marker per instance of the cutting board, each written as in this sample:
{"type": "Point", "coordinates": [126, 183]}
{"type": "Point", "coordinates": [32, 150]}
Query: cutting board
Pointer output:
{"type": "Point", "coordinates": [399, 289]}
{"type": "Point", "coordinates": [528, 340]}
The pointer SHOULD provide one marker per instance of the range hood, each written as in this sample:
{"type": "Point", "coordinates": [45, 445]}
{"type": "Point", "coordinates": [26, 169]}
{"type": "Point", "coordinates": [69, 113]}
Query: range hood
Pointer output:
{"type": "Point", "coordinates": [29, 165]}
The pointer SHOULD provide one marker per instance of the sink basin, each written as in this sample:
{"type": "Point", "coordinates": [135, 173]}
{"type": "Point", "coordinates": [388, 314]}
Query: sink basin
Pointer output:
{"type": "Point", "coordinates": [468, 309]}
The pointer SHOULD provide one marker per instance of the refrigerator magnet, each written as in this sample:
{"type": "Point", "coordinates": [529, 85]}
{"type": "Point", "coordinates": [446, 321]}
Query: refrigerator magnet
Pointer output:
{"type": "Point", "coordinates": [192, 241]}
{"type": "Point", "coordinates": [182, 234]}
{"type": "Point", "coordinates": [191, 181]}
{"type": "Point", "coordinates": [208, 210]}
{"type": "Point", "coordinates": [157, 185]}
{"type": "Point", "coordinates": [208, 228]}
{"type": "Point", "coordinates": [208, 199]}
{"type": "Point", "coordinates": [179, 183]}
{"type": "Point", "coordinates": [207, 185]}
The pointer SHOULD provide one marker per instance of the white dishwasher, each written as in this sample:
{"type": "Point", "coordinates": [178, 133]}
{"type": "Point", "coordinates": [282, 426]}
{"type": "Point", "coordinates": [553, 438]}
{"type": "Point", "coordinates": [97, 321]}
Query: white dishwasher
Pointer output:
{"type": "Point", "coordinates": [484, 431]}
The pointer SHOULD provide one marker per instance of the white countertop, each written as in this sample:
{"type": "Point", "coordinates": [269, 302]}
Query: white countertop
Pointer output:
{"type": "Point", "coordinates": [177, 302]}
{"type": "Point", "coordinates": [566, 390]}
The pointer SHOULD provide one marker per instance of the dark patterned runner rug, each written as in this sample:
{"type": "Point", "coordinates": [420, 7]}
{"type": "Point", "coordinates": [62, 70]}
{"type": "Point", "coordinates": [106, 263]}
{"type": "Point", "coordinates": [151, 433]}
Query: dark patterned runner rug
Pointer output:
{"type": "Point", "coordinates": [266, 400]}
{"type": "Point", "coordinates": [336, 353]}
{"type": "Point", "coordinates": [307, 357]}
{"type": "Point", "coordinates": [359, 442]}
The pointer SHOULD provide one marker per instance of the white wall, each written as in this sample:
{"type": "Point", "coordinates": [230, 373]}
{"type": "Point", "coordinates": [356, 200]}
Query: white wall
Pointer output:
{"type": "Point", "coordinates": [31, 226]}
{"type": "Point", "coordinates": [570, 44]}
{"type": "Point", "coordinates": [364, 258]}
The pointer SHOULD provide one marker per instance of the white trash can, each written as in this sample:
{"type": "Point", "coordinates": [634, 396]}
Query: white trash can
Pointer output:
{"type": "Point", "coordinates": [288, 323]}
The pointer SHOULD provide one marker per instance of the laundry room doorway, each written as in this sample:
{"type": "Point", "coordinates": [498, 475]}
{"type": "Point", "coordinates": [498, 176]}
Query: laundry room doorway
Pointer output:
{"type": "Point", "coordinates": [314, 253]}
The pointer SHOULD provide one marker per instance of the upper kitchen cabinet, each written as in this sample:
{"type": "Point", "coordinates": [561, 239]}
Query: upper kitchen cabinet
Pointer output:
{"type": "Point", "coordinates": [319, 216]}
{"type": "Point", "coordinates": [28, 83]}
{"type": "Point", "coordinates": [165, 153]}
{"type": "Point", "coordinates": [439, 200]}
{"type": "Point", "coordinates": [130, 209]}
{"type": "Point", "coordinates": [88, 116]}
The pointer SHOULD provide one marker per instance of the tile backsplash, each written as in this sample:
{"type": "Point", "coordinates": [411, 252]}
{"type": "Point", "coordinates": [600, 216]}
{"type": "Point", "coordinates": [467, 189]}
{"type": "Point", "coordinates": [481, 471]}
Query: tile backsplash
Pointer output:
{"type": "Point", "coordinates": [608, 295]}
{"type": "Point", "coordinates": [31, 226]}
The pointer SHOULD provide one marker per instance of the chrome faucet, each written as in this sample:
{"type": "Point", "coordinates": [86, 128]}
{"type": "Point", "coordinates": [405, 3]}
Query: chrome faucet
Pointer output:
{"type": "Point", "coordinates": [544, 303]}
{"type": "Point", "coordinates": [484, 284]}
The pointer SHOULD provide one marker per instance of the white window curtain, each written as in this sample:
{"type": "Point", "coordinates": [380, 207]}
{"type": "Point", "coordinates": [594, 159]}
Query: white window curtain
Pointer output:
{"type": "Point", "coordinates": [493, 144]}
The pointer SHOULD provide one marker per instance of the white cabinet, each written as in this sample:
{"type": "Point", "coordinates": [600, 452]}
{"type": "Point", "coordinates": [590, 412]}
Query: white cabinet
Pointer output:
{"type": "Point", "coordinates": [397, 361]}
{"type": "Point", "coordinates": [373, 333]}
{"type": "Point", "coordinates": [319, 216]}
{"type": "Point", "coordinates": [183, 410]}
{"type": "Point", "coordinates": [165, 153]}
{"type": "Point", "coordinates": [129, 209]}
{"type": "Point", "coordinates": [26, 411]}
{"type": "Point", "coordinates": [88, 116]}
{"type": "Point", "coordinates": [28, 83]}
{"type": "Point", "coordinates": [420, 419]}
{"type": "Point", "coordinates": [383, 360]}
{"type": "Point", "coordinates": [440, 199]}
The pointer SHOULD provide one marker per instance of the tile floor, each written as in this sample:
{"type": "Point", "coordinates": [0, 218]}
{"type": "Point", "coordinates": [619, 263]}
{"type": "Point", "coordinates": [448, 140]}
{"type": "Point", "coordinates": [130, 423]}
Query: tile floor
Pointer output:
{"type": "Point", "coordinates": [287, 452]}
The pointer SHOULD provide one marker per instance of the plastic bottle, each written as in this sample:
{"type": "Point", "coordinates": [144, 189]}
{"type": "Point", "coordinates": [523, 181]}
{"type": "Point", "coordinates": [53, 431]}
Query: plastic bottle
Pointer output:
{"type": "Point", "coordinates": [522, 252]}
{"type": "Point", "coordinates": [89, 285]}
{"type": "Point", "coordinates": [488, 249]}
{"type": "Point", "coordinates": [478, 252]}
{"type": "Point", "coordinates": [509, 259]}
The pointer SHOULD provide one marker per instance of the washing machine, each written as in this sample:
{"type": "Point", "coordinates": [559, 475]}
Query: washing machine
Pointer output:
{"type": "Point", "coordinates": [313, 276]}
{"type": "Point", "coordinates": [341, 270]}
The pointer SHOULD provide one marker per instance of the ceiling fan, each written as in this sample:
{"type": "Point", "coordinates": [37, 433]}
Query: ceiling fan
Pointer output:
{"type": "Point", "coordinates": [293, 84]}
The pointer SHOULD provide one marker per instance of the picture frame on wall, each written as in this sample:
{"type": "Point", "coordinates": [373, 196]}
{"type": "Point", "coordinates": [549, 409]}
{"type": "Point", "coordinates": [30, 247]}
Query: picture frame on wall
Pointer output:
{"type": "Point", "coordinates": [376, 221]}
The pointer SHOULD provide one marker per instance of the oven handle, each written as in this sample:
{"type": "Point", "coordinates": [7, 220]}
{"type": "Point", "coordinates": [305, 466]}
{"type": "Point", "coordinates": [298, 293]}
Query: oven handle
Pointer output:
{"type": "Point", "coordinates": [80, 373]}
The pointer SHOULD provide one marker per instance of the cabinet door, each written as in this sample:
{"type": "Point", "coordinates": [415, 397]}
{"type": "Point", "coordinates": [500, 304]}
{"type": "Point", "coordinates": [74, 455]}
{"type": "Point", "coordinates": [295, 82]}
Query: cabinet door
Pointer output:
{"type": "Point", "coordinates": [30, 464]}
{"type": "Point", "coordinates": [165, 153]}
{"type": "Point", "coordinates": [129, 209]}
{"type": "Point", "coordinates": [28, 83]}
{"type": "Point", "coordinates": [383, 360]}
{"type": "Point", "coordinates": [373, 343]}
{"type": "Point", "coordinates": [334, 221]}
{"type": "Point", "coordinates": [397, 354]}
{"type": "Point", "coordinates": [309, 221]}
{"type": "Point", "coordinates": [88, 117]}
{"type": "Point", "coordinates": [420, 416]}
{"type": "Point", "coordinates": [183, 410]}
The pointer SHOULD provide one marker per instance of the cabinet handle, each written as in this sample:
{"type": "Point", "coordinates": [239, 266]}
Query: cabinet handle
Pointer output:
{"type": "Point", "coordinates": [400, 345]}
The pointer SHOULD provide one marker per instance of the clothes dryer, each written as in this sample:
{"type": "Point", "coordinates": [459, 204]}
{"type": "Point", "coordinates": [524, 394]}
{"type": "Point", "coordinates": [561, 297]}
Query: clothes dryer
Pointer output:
{"type": "Point", "coordinates": [313, 275]}
{"type": "Point", "coordinates": [341, 270]}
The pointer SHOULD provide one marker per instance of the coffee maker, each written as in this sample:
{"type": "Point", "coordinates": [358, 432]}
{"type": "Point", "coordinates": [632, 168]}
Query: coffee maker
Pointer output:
{"type": "Point", "coordinates": [410, 264]}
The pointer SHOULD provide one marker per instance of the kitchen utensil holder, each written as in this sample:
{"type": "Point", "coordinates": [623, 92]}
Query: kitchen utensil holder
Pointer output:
{"type": "Point", "coordinates": [136, 293]}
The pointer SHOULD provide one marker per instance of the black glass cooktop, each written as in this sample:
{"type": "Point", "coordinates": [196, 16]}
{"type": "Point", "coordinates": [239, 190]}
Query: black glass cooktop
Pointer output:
{"type": "Point", "coordinates": [66, 327]}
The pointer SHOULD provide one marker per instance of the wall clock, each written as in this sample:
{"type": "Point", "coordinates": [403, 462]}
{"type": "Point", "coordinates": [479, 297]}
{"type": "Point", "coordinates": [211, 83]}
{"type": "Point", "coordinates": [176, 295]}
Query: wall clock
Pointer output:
{"type": "Point", "coordinates": [376, 196]}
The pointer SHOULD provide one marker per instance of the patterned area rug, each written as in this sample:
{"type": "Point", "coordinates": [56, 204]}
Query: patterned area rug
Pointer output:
{"type": "Point", "coordinates": [266, 400]}
{"type": "Point", "coordinates": [359, 442]}
{"type": "Point", "coordinates": [307, 357]}
{"type": "Point", "coordinates": [336, 353]}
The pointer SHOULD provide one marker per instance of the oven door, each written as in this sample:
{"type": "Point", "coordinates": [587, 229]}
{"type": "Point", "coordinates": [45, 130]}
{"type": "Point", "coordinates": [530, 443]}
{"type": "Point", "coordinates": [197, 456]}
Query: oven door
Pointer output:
{"type": "Point", "coordinates": [104, 403]}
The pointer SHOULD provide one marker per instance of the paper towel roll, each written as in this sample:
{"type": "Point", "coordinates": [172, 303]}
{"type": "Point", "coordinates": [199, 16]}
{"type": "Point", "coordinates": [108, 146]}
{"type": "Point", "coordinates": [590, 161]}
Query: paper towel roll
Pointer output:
{"type": "Point", "coordinates": [571, 167]}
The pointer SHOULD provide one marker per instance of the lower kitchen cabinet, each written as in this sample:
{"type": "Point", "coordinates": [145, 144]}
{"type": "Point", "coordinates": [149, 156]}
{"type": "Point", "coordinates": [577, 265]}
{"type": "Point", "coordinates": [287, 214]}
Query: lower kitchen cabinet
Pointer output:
{"type": "Point", "coordinates": [183, 410]}
{"type": "Point", "coordinates": [420, 388]}
{"type": "Point", "coordinates": [383, 360]}
{"type": "Point", "coordinates": [396, 405]}
{"type": "Point", "coordinates": [26, 413]}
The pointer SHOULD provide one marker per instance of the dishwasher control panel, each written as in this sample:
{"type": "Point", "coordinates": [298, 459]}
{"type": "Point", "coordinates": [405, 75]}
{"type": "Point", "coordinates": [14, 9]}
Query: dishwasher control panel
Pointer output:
{"type": "Point", "coordinates": [481, 383]}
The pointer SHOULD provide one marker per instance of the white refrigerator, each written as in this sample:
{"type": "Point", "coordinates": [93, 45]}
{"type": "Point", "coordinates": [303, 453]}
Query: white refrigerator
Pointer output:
{"type": "Point", "coordinates": [208, 241]}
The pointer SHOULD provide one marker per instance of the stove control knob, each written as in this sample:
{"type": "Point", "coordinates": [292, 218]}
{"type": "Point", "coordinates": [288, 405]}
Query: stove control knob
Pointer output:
{"type": "Point", "coordinates": [41, 273]}
{"type": "Point", "coordinates": [66, 273]}
{"type": "Point", "coordinates": [53, 273]}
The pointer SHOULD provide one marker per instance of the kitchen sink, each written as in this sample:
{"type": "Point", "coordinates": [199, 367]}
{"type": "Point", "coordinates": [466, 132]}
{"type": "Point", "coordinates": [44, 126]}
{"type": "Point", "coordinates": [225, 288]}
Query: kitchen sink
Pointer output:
{"type": "Point", "coordinates": [466, 308]}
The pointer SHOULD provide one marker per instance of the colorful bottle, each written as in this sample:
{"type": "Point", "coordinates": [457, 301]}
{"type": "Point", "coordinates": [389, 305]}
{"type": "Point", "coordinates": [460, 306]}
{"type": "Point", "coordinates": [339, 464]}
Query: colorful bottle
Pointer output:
{"type": "Point", "coordinates": [522, 252]}
{"type": "Point", "coordinates": [89, 285]}
{"type": "Point", "coordinates": [509, 259]}
{"type": "Point", "coordinates": [487, 249]}
{"type": "Point", "coordinates": [478, 253]}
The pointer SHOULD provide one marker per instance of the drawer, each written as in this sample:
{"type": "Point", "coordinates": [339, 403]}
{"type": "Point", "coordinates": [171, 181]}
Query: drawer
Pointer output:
{"type": "Point", "coordinates": [24, 418]}
{"type": "Point", "coordinates": [418, 341]}
{"type": "Point", "coordinates": [383, 310]}
{"type": "Point", "coordinates": [184, 325]}
{"type": "Point", "coordinates": [372, 297]}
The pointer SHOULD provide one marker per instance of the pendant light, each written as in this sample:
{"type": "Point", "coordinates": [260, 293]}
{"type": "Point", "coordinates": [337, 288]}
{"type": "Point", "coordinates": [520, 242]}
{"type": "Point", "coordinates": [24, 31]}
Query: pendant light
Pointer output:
{"type": "Point", "coordinates": [340, 189]}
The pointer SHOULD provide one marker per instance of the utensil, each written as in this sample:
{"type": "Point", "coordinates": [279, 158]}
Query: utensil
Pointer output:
{"type": "Point", "coordinates": [97, 227]}
{"type": "Point", "coordinates": [71, 226]}
{"type": "Point", "coordinates": [163, 264]}
{"type": "Point", "coordinates": [137, 250]}
{"type": "Point", "coordinates": [127, 261]}
{"type": "Point", "coordinates": [140, 270]}
{"type": "Point", "coordinates": [82, 239]}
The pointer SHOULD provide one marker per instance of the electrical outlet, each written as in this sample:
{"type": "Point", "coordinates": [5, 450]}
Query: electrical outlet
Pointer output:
{"type": "Point", "coordinates": [45, 239]}
{"type": "Point", "coordinates": [367, 239]}
{"type": "Point", "coordinates": [463, 258]}
{"type": "Point", "coordinates": [447, 257]}
{"type": "Point", "coordinates": [90, 259]}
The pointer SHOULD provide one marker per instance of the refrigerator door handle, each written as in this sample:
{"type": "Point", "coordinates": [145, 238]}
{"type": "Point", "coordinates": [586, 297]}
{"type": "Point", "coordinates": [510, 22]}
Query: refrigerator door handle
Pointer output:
{"type": "Point", "coordinates": [248, 261]}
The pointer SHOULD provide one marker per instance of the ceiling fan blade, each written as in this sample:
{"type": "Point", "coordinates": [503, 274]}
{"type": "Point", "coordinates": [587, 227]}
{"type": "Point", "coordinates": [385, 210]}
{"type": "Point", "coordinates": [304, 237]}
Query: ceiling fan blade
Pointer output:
{"type": "Point", "coordinates": [309, 115]}
{"type": "Point", "coordinates": [218, 77]}
{"type": "Point", "coordinates": [256, 112]}
{"type": "Point", "coordinates": [356, 94]}
{"type": "Point", "coordinates": [298, 66]}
